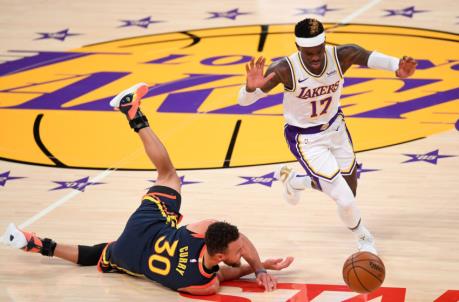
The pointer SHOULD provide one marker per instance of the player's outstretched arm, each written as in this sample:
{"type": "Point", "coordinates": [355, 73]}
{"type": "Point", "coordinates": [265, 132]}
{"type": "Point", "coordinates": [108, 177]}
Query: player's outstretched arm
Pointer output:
{"type": "Point", "coordinates": [228, 273]}
{"type": "Point", "coordinates": [250, 254]}
{"type": "Point", "coordinates": [255, 77]}
{"type": "Point", "coordinates": [257, 84]}
{"type": "Point", "coordinates": [350, 54]}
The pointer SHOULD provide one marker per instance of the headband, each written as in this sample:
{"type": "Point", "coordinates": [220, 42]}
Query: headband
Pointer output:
{"type": "Point", "coordinates": [310, 42]}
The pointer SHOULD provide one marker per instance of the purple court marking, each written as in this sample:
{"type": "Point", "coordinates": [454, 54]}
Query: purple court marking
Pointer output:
{"type": "Point", "coordinates": [5, 176]}
{"type": "Point", "coordinates": [361, 170]}
{"type": "Point", "coordinates": [265, 180]}
{"type": "Point", "coordinates": [144, 22]}
{"type": "Point", "coordinates": [406, 12]}
{"type": "Point", "coordinates": [320, 10]}
{"type": "Point", "coordinates": [79, 184]}
{"type": "Point", "coordinates": [231, 14]}
{"type": "Point", "coordinates": [430, 157]}
{"type": "Point", "coordinates": [60, 35]}
{"type": "Point", "coordinates": [182, 181]}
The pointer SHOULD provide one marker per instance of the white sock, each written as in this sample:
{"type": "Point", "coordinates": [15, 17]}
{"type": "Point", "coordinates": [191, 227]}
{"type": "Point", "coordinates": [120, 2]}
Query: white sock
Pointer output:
{"type": "Point", "coordinates": [350, 215]}
{"type": "Point", "coordinates": [363, 232]}
{"type": "Point", "coordinates": [300, 182]}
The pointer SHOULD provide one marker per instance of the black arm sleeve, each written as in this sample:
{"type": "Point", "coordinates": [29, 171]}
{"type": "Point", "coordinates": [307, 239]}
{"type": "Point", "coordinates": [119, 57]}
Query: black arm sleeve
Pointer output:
{"type": "Point", "coordinates": [89, 255]}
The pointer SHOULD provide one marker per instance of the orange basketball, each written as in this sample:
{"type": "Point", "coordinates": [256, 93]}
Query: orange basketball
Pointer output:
{"type": "Point", "coordinates": [364, 272]}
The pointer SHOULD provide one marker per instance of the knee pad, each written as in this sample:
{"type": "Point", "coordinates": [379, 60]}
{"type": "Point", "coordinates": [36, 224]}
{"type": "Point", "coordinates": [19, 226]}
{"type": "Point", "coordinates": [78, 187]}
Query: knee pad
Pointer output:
{"type": "Point", "coordinates": [339, 191]}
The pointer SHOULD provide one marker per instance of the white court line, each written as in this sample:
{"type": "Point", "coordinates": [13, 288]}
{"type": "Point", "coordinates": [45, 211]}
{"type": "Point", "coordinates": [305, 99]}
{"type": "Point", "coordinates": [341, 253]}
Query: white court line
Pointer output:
{"type": "Point", "coordinates": [107, 172]}
{"type": "Point", "coordinates": [360, 11]}
{"type": "Point", "coordinates": [60, 202]}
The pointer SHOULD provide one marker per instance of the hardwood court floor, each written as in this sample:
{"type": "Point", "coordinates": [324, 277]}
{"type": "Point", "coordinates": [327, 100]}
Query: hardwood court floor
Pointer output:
{"type": "Point", "coordinates": [412, 208]}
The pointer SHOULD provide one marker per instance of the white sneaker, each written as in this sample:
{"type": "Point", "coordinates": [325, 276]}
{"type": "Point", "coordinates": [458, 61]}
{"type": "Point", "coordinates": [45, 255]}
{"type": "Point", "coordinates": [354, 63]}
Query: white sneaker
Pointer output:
{"type": "Point", "coordinates": [285, 174]}
{"type": "Point", "coordinates": [115, 102]}
{"type": "Point", "coordinates": [14, 237]}
{"type": "Point", "coordinates": [366, 243]}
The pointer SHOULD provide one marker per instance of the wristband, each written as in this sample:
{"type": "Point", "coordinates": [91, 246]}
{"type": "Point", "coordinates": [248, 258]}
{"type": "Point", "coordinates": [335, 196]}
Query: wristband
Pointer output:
{"type": "Point", "coordinates": [260, 271]}
{"type": "Point", "coordinates": [378, 60]}
{"type": "Point", "coordinates": [248, 98]}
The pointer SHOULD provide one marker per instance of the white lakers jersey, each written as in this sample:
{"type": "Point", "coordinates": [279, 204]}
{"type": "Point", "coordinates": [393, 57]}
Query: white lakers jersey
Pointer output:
{"type": "Point", "coordinates": [314, 98]}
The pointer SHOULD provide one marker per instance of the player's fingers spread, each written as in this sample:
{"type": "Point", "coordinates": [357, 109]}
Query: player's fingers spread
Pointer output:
{"type": "Point", "coordinates": [286, 262]}
{"type": "Point", "coordinates": [268, 285]}
{"type": "Point", "coordinates": [274, 282]}
{"type": "Point", "coordinates": [266, 282]}
{"type": "Point", "coordinates": [258, 61]}
{"type": "Point", "coordinates": [261, 64]}
{"type": "Point", "coordinates": [247, 68]}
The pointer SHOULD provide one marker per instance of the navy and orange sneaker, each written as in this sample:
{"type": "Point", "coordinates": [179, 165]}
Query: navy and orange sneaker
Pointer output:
{"type": "Point", "coordinates": [128, 102]}
{"type": "Point", "coordinates": [28, 242]}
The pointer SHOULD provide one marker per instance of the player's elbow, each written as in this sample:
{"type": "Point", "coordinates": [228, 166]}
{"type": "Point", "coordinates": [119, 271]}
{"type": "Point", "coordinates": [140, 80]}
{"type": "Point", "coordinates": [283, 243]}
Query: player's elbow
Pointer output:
{"type": "Point", "coordinates": [214, 288]}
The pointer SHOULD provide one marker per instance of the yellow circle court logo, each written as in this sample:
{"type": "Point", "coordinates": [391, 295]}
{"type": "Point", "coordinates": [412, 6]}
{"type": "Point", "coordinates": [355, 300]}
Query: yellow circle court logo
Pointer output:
{"type": "Point", "coordinates": [55, 111]}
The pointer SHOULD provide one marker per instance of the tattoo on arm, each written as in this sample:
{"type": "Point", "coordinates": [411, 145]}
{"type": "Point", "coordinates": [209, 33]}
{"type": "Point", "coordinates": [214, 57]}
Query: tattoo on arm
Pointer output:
{"type": "Point", "coordinates": [350, 54]}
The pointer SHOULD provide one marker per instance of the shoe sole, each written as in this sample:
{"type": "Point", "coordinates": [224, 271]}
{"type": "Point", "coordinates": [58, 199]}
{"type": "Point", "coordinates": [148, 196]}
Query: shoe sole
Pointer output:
{"type": "Point", "coordinates": [139, 90]}
{"type": "Point", "coordinates": [19, 240]}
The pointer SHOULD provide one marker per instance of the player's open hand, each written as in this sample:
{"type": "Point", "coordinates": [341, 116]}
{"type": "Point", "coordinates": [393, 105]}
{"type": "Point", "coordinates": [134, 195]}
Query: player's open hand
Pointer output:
{"type": "Point", "coordinates": [277, 264]}
{"type": "Point", "coordinates": [406, 67]}
{"type": "Point", "coordinates": [267, 281]}
{"type": "Point", "coordinates": [255, 78]}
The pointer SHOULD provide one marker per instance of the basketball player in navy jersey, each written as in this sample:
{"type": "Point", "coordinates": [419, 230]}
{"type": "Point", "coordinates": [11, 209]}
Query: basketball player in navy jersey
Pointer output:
{"type": "Point", "coordinates": [152, 245]}
{"type": "Point", "coordinates": [315, 129]}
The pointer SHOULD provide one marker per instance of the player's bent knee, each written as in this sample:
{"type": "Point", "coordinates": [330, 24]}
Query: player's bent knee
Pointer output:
{"type": "Point", "coordinates": [346, 206]}
{"type": "Point", "coordinates": [339, 191]}
{"type": "Point", "coordinates": [169, 177]}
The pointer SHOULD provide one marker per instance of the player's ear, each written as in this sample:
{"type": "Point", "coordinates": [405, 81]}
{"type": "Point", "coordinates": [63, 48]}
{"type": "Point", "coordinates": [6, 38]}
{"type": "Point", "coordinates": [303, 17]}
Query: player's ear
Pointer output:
{"type": "Point", "coordinates": [220, 256]}
{"type": "Point", "coordinates": [297, 47]}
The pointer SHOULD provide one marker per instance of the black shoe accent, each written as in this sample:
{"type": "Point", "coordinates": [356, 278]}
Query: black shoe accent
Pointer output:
{"type": "Point", "coordinates": [357, 226]}
{"type": "Point", "coordinates": [11, 237]}
{"type": "Point", "coordinates": [48, 248]}
{"type": "Point", "coordinates": [126, 100]}
{"type": "Point", "coordinates": [139, 121]}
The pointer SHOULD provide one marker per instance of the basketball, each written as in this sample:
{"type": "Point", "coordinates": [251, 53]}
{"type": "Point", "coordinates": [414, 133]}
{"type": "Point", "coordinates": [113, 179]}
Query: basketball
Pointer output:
{"type": "Point", "coordinates": [364, 272]}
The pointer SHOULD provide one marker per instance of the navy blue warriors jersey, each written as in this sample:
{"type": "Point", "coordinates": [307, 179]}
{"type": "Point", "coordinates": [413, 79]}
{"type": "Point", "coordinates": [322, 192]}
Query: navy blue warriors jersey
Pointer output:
{"type": "Point", "coordinates": [152, 246]}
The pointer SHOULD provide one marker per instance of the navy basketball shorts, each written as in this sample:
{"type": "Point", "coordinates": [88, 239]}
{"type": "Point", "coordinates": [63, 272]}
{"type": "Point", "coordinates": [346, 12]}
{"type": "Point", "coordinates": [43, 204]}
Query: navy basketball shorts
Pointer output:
{"type": "Point", "coordinates": [159, 210]}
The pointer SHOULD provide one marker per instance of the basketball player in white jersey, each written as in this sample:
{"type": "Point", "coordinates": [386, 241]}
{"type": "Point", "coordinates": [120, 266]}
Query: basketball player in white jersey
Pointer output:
{"type": "Point", "coordinates": [315, 129]}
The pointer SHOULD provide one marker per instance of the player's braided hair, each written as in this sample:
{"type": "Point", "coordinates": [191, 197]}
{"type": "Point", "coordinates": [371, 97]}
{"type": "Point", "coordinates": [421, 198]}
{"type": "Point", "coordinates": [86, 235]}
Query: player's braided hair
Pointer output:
{"type": "Point", "coordinates": [219, 235]}
{"type": "Point", "coordinates": [308, 28]}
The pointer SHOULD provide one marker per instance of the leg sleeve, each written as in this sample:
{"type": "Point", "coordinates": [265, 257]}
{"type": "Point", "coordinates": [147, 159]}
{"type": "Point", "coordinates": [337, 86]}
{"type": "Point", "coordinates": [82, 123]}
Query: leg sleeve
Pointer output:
{"type": "Point", "coordinates": [89, 255]}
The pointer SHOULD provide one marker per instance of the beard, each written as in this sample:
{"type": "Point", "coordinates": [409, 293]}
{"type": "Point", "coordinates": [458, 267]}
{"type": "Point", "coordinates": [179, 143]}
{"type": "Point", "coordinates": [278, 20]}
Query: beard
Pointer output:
{"type": "Point", "coordinates": [233, 263]}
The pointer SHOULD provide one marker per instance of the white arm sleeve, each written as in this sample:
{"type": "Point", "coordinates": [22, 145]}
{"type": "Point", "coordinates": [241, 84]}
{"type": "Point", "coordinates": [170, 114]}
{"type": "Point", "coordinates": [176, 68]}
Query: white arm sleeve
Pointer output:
{"type": "Point", "coordinates": [248, 98]}
{"type": "Point", "coordinates": [378, 60]}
